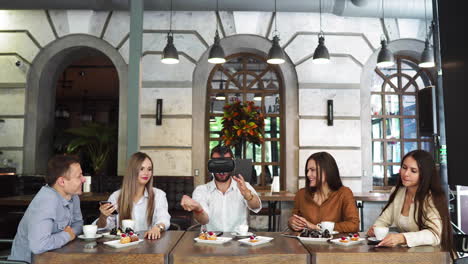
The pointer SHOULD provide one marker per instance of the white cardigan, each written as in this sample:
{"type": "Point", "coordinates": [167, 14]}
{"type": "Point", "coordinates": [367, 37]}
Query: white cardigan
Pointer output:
{"type": "Point", "coordinates": [414, 236]}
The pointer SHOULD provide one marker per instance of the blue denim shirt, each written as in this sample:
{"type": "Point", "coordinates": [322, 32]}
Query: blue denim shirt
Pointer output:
{"type": "Point", "coordinates": [41, 228]}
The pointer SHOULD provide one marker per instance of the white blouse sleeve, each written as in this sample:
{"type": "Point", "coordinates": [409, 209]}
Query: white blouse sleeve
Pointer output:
{"type": "Point", "coordinates": [161, 214]}
{"type": "Point", "coordinates": [427, 236]}
{"type": "Point", "coordinates": [111, 219]}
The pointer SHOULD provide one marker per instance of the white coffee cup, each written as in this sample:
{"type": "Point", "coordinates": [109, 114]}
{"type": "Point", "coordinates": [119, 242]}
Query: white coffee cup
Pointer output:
{"type": "Point", "coordinates": [128, 223]}
{"type": "Point", "coordinates": [243, 229]}
{"type": "Point", "coordinates": [380, 232]}
{"type": "Point", "coordinates": [326, 225]}
{"type": "Point", "coordinates": [89, 231]}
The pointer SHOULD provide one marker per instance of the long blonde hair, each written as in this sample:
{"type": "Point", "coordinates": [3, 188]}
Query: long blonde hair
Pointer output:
{"type": "Point", "coordinates": [129, 187]}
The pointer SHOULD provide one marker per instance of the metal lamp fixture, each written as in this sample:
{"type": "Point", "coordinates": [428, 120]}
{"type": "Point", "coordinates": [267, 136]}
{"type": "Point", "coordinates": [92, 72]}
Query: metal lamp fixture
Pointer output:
{"type": "Point", "coordinates": [170, 54]}
{"type": "Point", "coordinates": [276, 54]}
{"type": "Point", "coordinates": [427, 56]}
{"type": "Point", "coordinates": [385, 57]}
{"type": "Point", "coordinates": [216, 52]}
{"type": "Point", "coordinates": [321, 55]}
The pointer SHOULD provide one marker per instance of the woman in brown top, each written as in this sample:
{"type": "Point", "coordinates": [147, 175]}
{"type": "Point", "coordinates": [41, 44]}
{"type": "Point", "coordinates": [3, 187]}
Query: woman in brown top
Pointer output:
{"type": "Point", "coordinates": [324, 198]}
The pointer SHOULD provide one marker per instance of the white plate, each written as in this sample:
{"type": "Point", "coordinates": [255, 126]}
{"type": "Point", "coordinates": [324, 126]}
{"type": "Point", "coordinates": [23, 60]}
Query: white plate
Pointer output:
{"type": "Point", "coordinates": [248, 234]}
{"type": "Point", "coordinates": [334, 232]}
{"type": "Point", "coordinates": [117, 244]}
{"type": "Point", "coordinates": [90, 238]}
{"type": "Point", "coordinates": [373, 239]}
{"type": "Point", "coordinates": [219, 240]}
{"type": "Point", "coordinates": [350, 242]}
{"type": "Point", "coordinates": [261, 240]}
{"type": "Point", "coordinates": [314, 239]}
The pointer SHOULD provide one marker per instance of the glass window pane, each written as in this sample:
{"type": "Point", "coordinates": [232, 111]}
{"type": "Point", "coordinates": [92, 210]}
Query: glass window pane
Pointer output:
{"type": "Point", "coordinates": [235, 97]}
{"type": "Point", "coordinates": [270, 81]}
{"type": "Point", "coordinates": [410, 146]}
{"type": "Point", "coordinates": [389, 88]}
{"type": "Point", "coordinates": [409, 105]}
{"type": "Point", "coordinates": [271, 171]}
{"type": "Point", "coordinates": [392, 104]}
{"type": "Point", "coordinates": [216, 124]}
{"type": "Point", "coordinates": [255, 179]}
{"type": "Point", "coordinates": [378, 175]}
{"type": "Point", "coordinates": [252, 81]}
{"type": "Point", "coordinates": [256, 98]}
{"type": "Point", "coordinates": [410, 128]}
{"type": "Point", "coordinates": [377, 151]}
{"type": "Point", "coordinates": [404, 81]}
{"type": "Point", "coordinates": [393, 128]}
{"type": "Point", "coordinates": [254, 152]}
{"type": "Point", "coordinates": [410, 89]}
{"type": "Point", "coordinates": [272, 150]}
{"type": "Point", "coordinates": [427, 146]}
{"type": "Point", "coordinates": [213, 144]}
{"type": "Point", "coordinates": [393, 151]}
{"type": "Point", "coordinates": [388, 71]}
{"type": "Point", "coordinates": [393, 172]}
{"type": "Point", "coordinates": [376, 104]}
{"type": "Point", "coordinates": [422, 81]}
{"type": "Point", "coordinates": [272, 104]}
{"type": "Point", "coordinates": [272, 127]}
{"type": "Point", "coordinates": [377, 128]}
{"type": "Point", "coordinates": [377, 81]}
{"type": "Point", "coordinates": [217, 103]}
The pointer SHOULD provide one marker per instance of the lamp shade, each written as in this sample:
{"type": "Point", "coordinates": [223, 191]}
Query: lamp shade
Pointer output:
{"type": "Point", "coordinates": [427, 57]}
{"type": "Point", "coordinates": [276, 53]}
{"type": "Point", "coordinates": [385, 57]}
{"type": "Point", "coordinates": [170, 54]}
{"type": "Point", "coordinates": [321, 55]}
{"type": "Point", "coordinates": [216, 52]}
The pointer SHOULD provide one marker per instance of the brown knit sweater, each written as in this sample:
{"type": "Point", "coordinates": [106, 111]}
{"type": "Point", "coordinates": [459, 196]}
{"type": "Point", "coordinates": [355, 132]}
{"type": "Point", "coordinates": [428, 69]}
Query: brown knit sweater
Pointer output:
{"type": "Point", "coordinates": [340, 207]}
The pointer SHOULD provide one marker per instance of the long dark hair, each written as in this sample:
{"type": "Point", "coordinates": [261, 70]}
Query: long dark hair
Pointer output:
{"type": "Point", "coordinates": [129, 186]}
{"type": "Point", "coordinates": [325, 164]}
{"type": "Point", "coordinates": [429, 187]}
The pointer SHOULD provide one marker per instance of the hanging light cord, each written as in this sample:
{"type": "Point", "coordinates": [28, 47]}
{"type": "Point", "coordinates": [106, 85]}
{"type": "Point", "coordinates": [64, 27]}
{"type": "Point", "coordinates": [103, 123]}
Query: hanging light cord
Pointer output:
{"type": "Point", "coordinates": [170, 22]}
{"type": "Point", "coordinates": [320, 8]}
{"type": "Point", "coordinates": [425, 20]}
{"type": "Point", "coordinates": [275, 33]}
{"type": "Point", "coordinates": [217, 22]}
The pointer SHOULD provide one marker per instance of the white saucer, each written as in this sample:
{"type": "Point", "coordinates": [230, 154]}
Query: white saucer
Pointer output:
{"type": "Point", "coordinates": [373, 239]}
{"type": "Point", "coordinates": [334, 232]}
{"type": "Point", "coordinates": [242, 235]}
{"type": "Point", "coordinates": [90, 238]}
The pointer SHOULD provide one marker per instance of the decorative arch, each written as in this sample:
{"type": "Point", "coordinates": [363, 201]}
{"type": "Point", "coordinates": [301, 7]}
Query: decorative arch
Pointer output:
{"type": "Point", "coordinates": [40, 96]}
{"type": "Point", "coordinates": [260, 46]}
{"type": "Point", "coordinates": [404, 48]}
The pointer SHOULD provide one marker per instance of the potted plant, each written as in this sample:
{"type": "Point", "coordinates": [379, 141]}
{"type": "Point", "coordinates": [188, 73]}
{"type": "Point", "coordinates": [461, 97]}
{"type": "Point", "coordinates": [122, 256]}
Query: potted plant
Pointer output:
{"type": "Point", "coordinates": [96, 141]}
{"type": "Point", "coordinates": [242, 122]}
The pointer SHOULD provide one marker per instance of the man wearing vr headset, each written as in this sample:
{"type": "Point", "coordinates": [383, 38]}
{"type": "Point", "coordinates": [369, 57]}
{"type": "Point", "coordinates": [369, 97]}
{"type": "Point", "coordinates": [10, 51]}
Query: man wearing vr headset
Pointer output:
{"type": "Point", "coordinates": [222, 203]}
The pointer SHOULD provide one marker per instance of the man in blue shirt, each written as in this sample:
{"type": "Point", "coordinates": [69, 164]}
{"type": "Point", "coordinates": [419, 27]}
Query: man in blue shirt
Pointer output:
{"type": "Point", "coordinates": [53, 217]}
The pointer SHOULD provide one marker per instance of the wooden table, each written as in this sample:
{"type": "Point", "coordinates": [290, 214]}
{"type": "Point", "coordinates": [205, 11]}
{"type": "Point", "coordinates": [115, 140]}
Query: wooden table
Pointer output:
{"type": "Point", "coordinates": [279, 250]}
{"type": "Point", "coordinates": [328, 253]}
{"type": "Point", "coordinates": [149, 251]}
{"type": "Point", "coordinates": [274, 200]}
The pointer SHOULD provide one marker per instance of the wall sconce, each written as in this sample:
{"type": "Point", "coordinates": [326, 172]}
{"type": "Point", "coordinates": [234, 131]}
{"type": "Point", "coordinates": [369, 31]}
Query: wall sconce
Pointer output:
{"type": "Point", "coordinates": [330, 112]}
{"type": "Point", "coordinates": [159, 111]}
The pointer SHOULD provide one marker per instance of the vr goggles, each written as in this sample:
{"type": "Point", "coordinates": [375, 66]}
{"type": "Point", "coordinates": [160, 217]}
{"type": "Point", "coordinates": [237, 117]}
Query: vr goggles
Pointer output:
{"type": "Point", "coordinates": [220, 165]}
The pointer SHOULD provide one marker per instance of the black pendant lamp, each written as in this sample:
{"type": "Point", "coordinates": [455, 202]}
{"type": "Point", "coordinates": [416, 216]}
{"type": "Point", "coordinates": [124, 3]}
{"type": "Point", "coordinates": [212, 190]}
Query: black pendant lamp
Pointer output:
{"type": "Point", "coordinates": [276, 54]}
{"type": "Point", "coordinates": [427, 56]}
{"type": "Point", "coordinates": [170, 54]}
{"type": "Point", "coordinates": [385, 57]}
{"type": "Point", "coordinates": [321, 55]}
{"type": "Point", "coordinates": [216, 55]}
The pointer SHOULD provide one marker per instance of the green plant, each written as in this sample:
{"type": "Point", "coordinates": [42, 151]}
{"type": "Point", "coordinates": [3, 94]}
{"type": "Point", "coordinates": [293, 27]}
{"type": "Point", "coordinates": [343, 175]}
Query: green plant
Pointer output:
{"type": "Point", "coordinates": [242, 122]}
{"type": "Point", "coordinates": [96, 140]}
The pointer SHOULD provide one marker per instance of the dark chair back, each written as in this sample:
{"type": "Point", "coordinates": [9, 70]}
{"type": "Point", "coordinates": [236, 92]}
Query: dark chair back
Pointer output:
{"type": "Point", "coordinates": [30, 184]}
{"type": "Point", "coordinates": [461, 243]}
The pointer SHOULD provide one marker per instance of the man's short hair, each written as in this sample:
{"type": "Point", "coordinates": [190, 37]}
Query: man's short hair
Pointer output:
{"type": "Point", "coordinates": [221, 150]}
{"type": "Point", "coordinates": [58, 166]}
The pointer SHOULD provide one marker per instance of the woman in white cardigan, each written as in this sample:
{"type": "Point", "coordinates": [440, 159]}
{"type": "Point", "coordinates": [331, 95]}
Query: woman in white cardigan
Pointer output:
{"type": "Point", "coordinates": [417, 206]}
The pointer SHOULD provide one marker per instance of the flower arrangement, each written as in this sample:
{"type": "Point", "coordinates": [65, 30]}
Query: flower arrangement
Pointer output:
{"type": "Point", "coordinates": [242, 122]}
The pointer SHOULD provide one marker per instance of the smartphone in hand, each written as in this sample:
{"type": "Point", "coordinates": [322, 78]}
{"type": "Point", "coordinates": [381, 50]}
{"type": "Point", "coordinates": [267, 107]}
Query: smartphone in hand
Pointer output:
{"type": "Point", "coordinates": [106, 202]}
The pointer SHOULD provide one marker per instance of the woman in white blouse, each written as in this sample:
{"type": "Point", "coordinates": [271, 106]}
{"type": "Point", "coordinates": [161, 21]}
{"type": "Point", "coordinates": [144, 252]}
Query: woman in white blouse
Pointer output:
{"type": "Point", "coordinates": [137, 200]}
{"type": "Point", "coordinates": [417, 206]}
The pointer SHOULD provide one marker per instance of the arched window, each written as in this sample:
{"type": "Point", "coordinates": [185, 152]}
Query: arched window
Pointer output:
{"type": "Point", "coordinates": [395, 118]}
{"type": "Point", "coordinates": [247, 77]}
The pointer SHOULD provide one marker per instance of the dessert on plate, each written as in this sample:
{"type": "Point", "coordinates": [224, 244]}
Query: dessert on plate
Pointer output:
{"type": "Point", "coordinates": [125, 239]}
{"type": "Point", "coordinates": [354, 237]}
{"type": "Point", "coordinates": [207, 236]}
{"type": "Point", "coordinates": [253, 239]}
{"type": "Point", "coordinates": [344, 240]}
